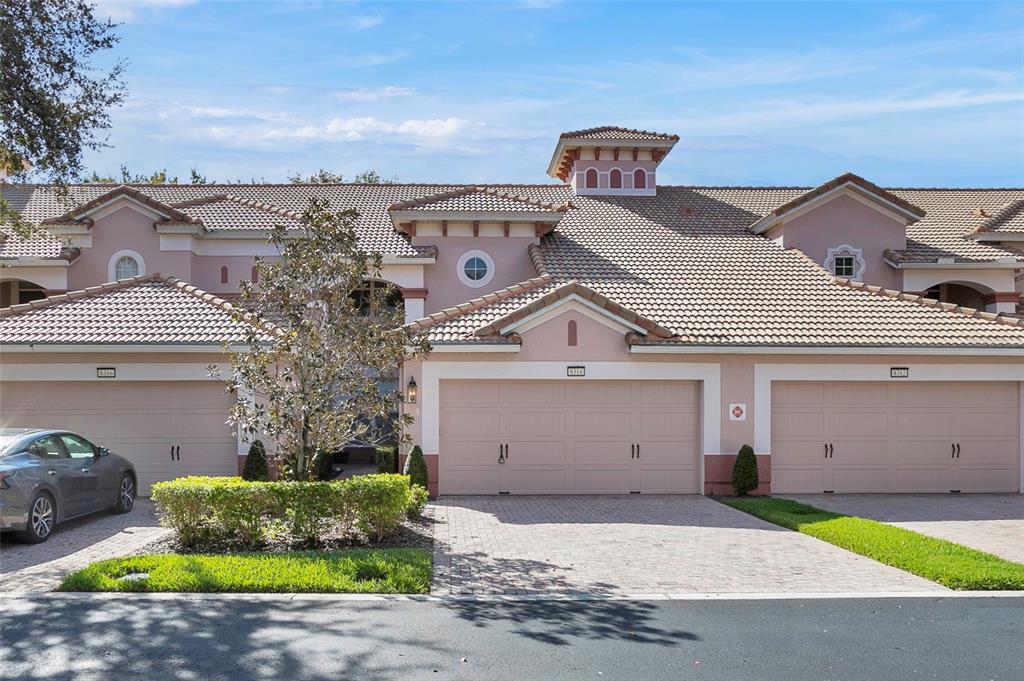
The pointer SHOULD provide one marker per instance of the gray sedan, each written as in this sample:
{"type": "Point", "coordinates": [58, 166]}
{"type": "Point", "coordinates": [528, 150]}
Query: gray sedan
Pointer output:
{"type": "Point", "coordinates": [49, 476]}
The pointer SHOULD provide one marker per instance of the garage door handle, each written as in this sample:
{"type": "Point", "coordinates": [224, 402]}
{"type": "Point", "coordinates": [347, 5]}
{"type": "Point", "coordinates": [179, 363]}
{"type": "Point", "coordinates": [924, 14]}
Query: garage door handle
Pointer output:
{"type": "Point", "coordinates": [632, 451]}
{"type": "Point", "coordinates": [506, 452]}
{"type": "Point", "coordinates": [831, 450]}
{"type": "Point", "coordinates": [638, 450]}
{"type": "Point", "coordinates": [953, 453]}
{"type": "Point", "coordinates": [958, 450]}
{"type": "Point", "coordinates": [172, 452]}
{"type": "Point", "coordinates": [826, 450]}
{"type": "Point", "coordinates": [177, 452]}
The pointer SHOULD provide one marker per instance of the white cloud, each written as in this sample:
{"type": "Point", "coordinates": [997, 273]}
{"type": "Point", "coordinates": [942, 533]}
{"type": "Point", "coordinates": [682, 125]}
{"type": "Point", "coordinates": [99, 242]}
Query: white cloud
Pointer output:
{"type": "Point", "coordinates": [418, 131]}
{"type": "Point", "coordinates": [373, 94]}
{"type": "Point", "coordinates": [364, 22]}
{"type": "Point", "coordinates": [377, 58]}
{"type": "Point", "coordinates": [130, 11]}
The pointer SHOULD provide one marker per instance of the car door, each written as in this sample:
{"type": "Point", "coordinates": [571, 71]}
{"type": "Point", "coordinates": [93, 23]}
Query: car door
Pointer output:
{"type": "Point", "coordinates": [92, 482]}
{"type": "Point", "coordinates": [61, 471]}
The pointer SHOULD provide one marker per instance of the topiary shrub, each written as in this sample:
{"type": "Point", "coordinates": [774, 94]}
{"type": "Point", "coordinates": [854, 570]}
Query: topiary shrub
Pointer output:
{"type": "Point", "coordinates": [744, 471]}
{"type": "Point", "coordinates": [416, 468]}
{"type": "Point", "coordinates": [255, 467]}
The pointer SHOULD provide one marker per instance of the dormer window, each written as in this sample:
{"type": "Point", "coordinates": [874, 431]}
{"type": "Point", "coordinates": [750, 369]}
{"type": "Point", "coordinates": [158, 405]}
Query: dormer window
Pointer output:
{"type": "Point", "coordinates": [843, 266]}
{"type": "Point", "coordinates": [125, 265]}
{"type": "Point", "coordinates": [591, 181]}
{"type": "Point", "coordinates": [845, 261]}
{"type": "Point", "coordinates": [610, 161]}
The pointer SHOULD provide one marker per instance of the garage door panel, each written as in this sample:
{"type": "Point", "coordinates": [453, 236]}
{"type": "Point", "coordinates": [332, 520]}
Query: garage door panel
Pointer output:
{"type": "Point", "coordinates": [798, 479]}
{"type": "Point", "coordinates": [666, 425]}
{"type": "Point", "coordinates": [607, 423]}
{"type": "Point", "coordinates": [918, 479]}
{"type": "Point", "coordinates": [473, 394]}
{"type": "Point", "coordinates": [848, 422]}
{"type": "Point", "coordinates": [602, 451]}
{"type": "Point", "coordinates": [471, 480]}
{"type": "Point", "coordinates": [983, 479]}
{"type": "Point", "coordinates": [659, 452]}
{"type": "Point", "coordinates": [855, 394]}
{"type": "Point", "coordinates": [798, 393]}
{"type": "Point", "coordinates": [596, 393]}
{"type": "Point", "coordinates": [534, 480]}
{"type": "Point", "coordinates": [979, 423]}
{"type": "Point", "coordinates": [861, 478]}
{"type": "Point", "coordinates": [999, 451]}
{"type": "Point", "coordinates": [667, 480]}
{"type": "Point", "coordinates": [531, 451]}
{"type": "Point", "coordinates": [540, 423]}
{"type": "Point", "coordinates": [917, 452]}
{"type": "Point", "coordinates": [473, 452]}
{"type": "Point", "coordinates": [471, 423]}
{"type": "Point", "coordinates": [799, 423]}
{"type": "Point", "coordinates": [659, 394]}
{"type": "Point", "coordinates": [530, 393]}
{"type": "Point", "coordinates": [602, 480]}
{"type": "Point", "coordinates": [873, 452]}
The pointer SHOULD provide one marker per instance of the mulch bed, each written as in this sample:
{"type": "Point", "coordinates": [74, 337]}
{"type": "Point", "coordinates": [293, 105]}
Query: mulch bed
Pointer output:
{"type": "Point", "coordinates": [414, 533]}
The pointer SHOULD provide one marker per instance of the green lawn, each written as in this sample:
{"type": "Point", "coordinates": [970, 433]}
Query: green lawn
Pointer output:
{"type": "Point", "coordinates": [949, 564]}
{"type": "Point", "coordinates": [354, 571]}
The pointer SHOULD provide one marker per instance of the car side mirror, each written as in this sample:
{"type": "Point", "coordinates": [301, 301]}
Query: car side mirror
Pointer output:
{"type": "Point", "coordinates": [102, 451]}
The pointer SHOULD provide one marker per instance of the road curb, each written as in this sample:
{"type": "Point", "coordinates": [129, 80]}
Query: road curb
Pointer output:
{"type": "Point", "coordinates": [492, 598]}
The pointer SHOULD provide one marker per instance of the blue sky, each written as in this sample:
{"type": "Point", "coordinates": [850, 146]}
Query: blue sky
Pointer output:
{"type": "Point", "coordinates": [925, 94]}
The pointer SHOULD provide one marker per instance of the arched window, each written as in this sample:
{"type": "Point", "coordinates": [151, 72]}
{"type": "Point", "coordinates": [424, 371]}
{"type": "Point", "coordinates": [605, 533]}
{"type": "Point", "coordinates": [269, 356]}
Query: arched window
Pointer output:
{"type": "Point", "coordinates": [639, 179]}
{"type": "Point", "coordinates": [224, 274]}
{"type": "Point", "coordinates": [573, 339]}
{"type": "Point", "coordinates": [591, 178]}
{"type": "Point", "coordinates": [615, 180]}
{"type": "Point", "coordinates": [126, 267]}
{"type": "Point", "coordinates": [254, 277]}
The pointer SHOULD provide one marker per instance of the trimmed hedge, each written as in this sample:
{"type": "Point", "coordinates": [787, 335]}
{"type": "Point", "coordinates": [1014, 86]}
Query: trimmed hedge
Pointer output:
{"type": "Point", "coordinates": [201, 508]}
{"type": "Point", "coordinates": [744, 471]}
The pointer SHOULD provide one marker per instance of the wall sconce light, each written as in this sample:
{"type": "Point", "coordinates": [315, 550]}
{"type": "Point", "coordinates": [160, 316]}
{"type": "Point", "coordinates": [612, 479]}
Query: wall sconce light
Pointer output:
{"type": "Point", "coordinates": [410, 392]}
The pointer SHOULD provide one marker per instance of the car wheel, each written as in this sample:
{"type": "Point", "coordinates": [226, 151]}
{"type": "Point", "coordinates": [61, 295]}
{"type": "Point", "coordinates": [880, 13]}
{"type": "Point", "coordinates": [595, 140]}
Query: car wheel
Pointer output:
{"type": "Point", "coordinates": [125, 494]}
{"type": "Point", "coordinates": [42, 516]}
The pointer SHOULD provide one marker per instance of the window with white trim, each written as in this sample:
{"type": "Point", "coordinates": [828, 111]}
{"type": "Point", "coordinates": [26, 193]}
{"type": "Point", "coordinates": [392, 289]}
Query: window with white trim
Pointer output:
{"type": "Point", "coordinates": [126, 267]}
{"type": "Point", "coordinates": [845, 261]}
{"type": "Point", "coordinates": [475, 268]}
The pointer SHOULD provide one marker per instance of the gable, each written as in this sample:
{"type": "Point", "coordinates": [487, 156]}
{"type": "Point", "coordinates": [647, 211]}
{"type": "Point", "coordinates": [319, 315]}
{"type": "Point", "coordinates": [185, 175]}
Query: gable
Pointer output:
{"type": "Point", "coordinates": [596, 339]}
{"type": "Point", "coordinates": [582, 308]}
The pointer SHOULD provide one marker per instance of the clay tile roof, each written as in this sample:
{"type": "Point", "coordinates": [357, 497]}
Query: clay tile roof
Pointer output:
{"type": "Point", "coordinates": [479, 199]}
{"type": "Point", "coordinates": [221, 212]}
{"type": "Point", "coordinates": [845, 178]}
{"type": "Point", "coordinates": [612, 132]}
{"type": "Point", "coordinates": [75, 214]}
{"type": "Point", "coordinates": [146, 310]}
{"type": "Point", "coordinates": [1008, 218]}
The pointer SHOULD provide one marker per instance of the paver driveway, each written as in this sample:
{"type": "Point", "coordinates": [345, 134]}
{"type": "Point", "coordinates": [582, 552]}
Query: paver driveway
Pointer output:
{"type": "Point", "coordinates": [987, 522]}
{"type": "Point", "coordinates": [75, 544]}
{"type": "Point", "coordinates": [637, 545]}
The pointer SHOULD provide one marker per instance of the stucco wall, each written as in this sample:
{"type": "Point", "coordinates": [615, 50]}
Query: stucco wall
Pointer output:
{"type": "Point", "coordinates": [846, 221]}
{"type": "Point", "coordinates": [512, 265]}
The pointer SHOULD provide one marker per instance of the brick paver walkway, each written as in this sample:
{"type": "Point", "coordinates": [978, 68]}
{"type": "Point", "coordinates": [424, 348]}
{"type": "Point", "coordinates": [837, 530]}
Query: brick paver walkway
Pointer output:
{"type": "Point", "coordinates": [987, 522]}
{"type": "Point", "coordinates": [633, 545]}
{"type": "Point", "coordinates": [75, 544]}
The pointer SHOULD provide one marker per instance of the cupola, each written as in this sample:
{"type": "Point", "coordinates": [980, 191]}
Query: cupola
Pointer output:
{"type": "Point", "coordinates": [610, 161]}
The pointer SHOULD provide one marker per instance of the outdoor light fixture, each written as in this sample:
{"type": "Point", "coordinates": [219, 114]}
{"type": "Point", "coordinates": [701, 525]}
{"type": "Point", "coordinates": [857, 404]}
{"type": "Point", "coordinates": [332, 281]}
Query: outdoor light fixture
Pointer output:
{"type": "Point", "coordinates": [410, 393]}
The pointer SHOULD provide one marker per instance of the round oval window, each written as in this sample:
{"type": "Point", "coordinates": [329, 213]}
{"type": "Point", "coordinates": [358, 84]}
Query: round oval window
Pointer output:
{"type": "Point", "coordinates": [475, 268]}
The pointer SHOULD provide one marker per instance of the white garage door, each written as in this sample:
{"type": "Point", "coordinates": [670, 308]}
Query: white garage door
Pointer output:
{"type": "Point", "coordinates": [895, 437]}
{"type": "Point", "coordinates": [141, 421]}
{"type": "Point", "coordinates": [569, 437]}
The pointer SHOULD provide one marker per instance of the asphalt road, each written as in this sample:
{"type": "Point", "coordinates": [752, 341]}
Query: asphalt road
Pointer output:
{"type": "Point", "coordinates": [294, 640]}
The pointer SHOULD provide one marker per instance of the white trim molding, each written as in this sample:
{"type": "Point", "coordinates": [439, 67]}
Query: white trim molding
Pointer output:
{"type": "Point", "coordinates": [126, 371]}
{"type": "Point", "coordinates": [765, 374]}
{"type": "Point", "coordinates": [573, 302]}
{"type": "Point", "coordinates": [461, 264]}
{"type": "Point", "coordinates": [845, 249]}
{"type": "Point", "coordinates": [709, 374]}
{"type": "Point", "coordinates": [126, 252]}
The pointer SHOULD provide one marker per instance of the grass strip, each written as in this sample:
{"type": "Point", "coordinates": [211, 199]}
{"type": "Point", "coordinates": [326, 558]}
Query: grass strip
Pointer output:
{"type": "Point", "coordinates": [353, 571]}
{"type": "Point", "coordinates": [950, 564]}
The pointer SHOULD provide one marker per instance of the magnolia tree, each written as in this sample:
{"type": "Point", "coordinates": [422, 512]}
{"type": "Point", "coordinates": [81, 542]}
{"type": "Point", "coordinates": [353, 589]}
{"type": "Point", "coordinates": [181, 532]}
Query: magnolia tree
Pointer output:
{"type": "Point", "coordinates": [316, 381]}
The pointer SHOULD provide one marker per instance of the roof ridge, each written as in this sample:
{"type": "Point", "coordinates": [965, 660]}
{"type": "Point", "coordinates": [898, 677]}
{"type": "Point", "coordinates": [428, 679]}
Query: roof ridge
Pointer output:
{"type": "Point", "coordinates": [479, 189]}
{"type": "Point", "coordinates": [618, 128]}
{"type": "Point", "coordinates": [137, 194]}
{"type": "Point", "coordinates": [538, 259]}
{"type": "Point", "coordinates": [264, 206]}
{"type": "Point", "coordinates": [477, 303]}
{"type": "Point", "coordinates": [1002, 214]}
{"type": "Point", "coordinates": [574, 286]}
{"type": "Point", "coordinates": [970, 312]}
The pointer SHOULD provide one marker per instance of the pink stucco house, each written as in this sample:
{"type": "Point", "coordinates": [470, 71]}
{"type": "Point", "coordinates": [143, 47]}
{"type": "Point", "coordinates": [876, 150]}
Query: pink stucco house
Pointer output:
{"type": "Point", "coordinates": [601, 334]}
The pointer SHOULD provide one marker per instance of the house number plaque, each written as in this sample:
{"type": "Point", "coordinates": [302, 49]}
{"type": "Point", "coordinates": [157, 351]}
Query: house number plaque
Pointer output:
{"type": "Point", "coordinates": [575, 371]}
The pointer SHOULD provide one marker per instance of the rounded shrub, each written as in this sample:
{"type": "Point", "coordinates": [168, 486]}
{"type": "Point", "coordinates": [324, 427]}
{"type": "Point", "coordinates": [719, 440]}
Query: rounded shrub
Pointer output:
{"type": "Point", "coordinates": [416, 501]}
{"type": "Point", "coordinates": [255, 467]}
{"type": "Point", "coordinates": [379, 502]}
{"type": "Point", "coordinates": [744, 471]}
{"type": "Point", "coordinates": [416, 468]}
